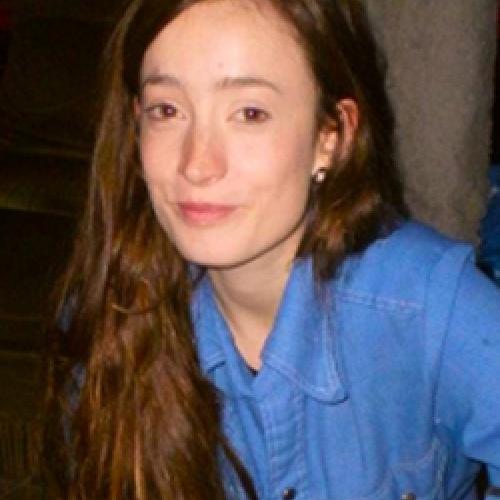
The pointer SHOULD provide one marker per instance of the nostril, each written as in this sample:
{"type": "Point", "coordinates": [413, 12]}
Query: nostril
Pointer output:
{"type": "Point", "coordinates": [203, 172]}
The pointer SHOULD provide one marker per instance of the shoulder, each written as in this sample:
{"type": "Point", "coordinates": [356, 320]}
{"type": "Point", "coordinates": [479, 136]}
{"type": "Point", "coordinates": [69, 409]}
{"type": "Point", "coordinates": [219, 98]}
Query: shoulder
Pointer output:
{"type": "Point", "coordinates": [423, 289]}
{"type": "Point", "coordinates": [404, 266]}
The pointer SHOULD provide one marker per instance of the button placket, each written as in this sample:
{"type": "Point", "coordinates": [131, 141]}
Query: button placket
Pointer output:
{"type": "Point", "coordinates": [408, 496]}
{"type": "Point", "coordinates": [289, 494]}
{"type": "Point", "coordinates": [280, 410]}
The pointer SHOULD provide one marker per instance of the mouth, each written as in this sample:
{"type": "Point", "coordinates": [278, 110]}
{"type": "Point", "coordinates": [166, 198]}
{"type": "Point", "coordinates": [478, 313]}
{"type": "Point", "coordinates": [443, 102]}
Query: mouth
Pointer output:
{"type": "Point", "coordinates": [204, 213]}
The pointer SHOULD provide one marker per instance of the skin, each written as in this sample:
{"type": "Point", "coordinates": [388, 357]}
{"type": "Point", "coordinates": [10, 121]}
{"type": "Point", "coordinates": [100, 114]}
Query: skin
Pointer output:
{"type": "Point", "coordinates": [229, 142]}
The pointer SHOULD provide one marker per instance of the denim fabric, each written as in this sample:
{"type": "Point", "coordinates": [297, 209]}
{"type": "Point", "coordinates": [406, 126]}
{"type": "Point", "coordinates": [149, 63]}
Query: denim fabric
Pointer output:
{"type": "Point", "coordinates": [383, 382]}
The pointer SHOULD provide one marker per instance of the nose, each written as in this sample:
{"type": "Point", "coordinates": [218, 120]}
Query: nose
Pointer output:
{"type": "Point", "coordinates": [203, 161]}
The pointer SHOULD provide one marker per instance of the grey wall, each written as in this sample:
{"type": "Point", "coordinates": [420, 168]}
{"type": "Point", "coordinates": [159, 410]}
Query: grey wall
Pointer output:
{"type": "Point", "coordinates": [440, 79]}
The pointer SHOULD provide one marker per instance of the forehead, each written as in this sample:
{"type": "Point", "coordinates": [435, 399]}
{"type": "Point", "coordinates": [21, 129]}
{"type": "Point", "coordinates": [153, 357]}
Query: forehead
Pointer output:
{"type": "Point", "coordinates": [225, 39]}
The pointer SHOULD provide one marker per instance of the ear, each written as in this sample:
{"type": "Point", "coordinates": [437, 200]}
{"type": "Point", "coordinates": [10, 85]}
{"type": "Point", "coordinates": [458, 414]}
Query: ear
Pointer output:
{"type": "Point", "coordinates": [335, 139]}
{"type": "Point", "coordinates": [137, 119]}
{"type": "Point", "coordinates": [137, 109]}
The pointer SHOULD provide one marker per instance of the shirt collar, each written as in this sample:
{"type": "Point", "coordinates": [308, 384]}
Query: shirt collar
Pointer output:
{"type": "Point", "coordinates": [300, 345]}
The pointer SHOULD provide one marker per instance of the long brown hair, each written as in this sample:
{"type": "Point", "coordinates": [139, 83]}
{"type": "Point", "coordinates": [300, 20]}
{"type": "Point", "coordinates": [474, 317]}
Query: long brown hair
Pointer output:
{"type": "Point", "coordinates": [137, 419]}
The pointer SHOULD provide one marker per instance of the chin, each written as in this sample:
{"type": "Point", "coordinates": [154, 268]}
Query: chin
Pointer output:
{"type": "Point", "coordinates": [213, 259]}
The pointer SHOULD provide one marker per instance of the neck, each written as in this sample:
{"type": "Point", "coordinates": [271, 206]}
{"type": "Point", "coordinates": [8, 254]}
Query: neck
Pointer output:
{"type": "Point", "coordinates": [249, 296]}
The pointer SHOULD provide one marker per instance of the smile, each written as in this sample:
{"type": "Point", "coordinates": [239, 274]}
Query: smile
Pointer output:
{"type": "Point", "coordinates": [204, 213]}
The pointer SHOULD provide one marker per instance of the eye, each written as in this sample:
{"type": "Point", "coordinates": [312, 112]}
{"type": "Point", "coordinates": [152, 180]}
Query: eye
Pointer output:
{"type": "Point", "coordinates": [252, 114]}
{"type": "Point", "coordinates": [162, 112]}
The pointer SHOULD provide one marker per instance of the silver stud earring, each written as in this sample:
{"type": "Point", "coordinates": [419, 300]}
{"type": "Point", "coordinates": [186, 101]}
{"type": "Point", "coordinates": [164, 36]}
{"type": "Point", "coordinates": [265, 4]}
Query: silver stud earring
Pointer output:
{"type": "Point", "coordinates": [320, 175]}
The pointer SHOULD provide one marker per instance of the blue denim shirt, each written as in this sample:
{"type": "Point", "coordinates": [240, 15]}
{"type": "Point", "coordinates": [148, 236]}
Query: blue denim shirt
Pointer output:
{"type": "Point", "coordinates": [381, 384]}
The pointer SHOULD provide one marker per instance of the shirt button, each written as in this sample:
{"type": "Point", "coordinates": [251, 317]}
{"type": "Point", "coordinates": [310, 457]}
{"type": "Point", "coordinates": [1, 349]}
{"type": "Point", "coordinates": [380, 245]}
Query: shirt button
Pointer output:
{"type": "Point", "coordinates": [408, 496]}
{"type": "Point", "coordinates": [289, 493]}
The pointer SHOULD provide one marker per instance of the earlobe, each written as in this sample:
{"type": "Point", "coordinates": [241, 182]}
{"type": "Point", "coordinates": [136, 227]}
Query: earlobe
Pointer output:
{"type": "Point", "coordinates": [325, 147]}
{"type": "Point", "coordinates": [319, 175]}
{"type": "Point", "coordinates": [336, 137]}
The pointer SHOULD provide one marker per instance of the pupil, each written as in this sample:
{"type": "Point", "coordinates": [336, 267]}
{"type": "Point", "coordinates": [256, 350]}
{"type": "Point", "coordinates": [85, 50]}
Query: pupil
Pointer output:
{"type": "Point", "coordinates": [252, 113]}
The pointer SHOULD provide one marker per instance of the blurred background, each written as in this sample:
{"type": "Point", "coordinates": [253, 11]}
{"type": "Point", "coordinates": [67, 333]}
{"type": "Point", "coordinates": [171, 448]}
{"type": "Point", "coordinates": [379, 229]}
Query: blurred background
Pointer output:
{"type": "Point", "coordinates": [49, 62]}
{"type": "Point", "coordinates": [49, 86]}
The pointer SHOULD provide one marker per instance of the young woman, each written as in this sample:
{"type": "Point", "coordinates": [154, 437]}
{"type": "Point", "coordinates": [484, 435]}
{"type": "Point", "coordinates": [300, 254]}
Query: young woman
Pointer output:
{"type": "Point", "coordinates": [245, 283]}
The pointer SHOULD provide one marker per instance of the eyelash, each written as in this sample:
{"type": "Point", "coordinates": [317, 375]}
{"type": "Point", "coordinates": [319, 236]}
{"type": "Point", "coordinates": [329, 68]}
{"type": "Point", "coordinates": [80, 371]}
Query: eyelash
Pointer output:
{"type": "Point", "coordinates": [166, 111]}
{"type": "Point", "coordinates": [252, 114]}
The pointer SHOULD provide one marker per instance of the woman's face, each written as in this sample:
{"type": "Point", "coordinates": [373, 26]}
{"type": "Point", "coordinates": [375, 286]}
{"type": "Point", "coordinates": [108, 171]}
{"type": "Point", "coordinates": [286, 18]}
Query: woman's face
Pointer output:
{"type": "Point", "coordinates": [228, 134]}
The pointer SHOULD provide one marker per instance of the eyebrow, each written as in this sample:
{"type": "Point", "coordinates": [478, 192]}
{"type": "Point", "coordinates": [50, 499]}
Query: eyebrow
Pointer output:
{"type": "Point", "coordinates": [246, 81]}
{"type": "Point", "coordinates": [223, 84]}
{"type": "Point", "coordinates": [161, 79]}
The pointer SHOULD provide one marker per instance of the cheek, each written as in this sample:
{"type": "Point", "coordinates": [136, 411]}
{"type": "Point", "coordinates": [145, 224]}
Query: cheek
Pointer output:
{"type": "Point", "coordinates": [279, 166]}
{"type": "Point", "coordinates": [158, 159]}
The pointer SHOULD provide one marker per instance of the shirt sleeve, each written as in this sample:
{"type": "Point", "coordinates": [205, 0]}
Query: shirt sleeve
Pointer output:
{"type": "Point", "coordinates": [468, 389]}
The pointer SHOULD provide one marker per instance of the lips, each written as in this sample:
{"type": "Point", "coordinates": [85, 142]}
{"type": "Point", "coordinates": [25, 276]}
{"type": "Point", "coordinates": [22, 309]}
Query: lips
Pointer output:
{"type": "Point", "coordinates": [205, 213]}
